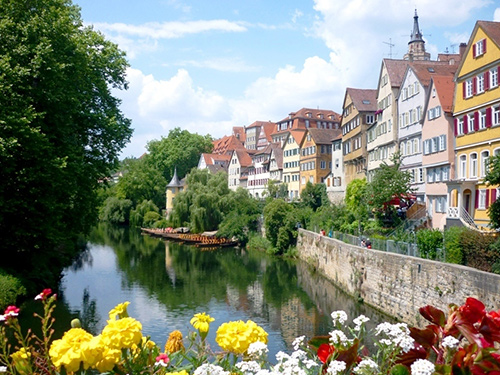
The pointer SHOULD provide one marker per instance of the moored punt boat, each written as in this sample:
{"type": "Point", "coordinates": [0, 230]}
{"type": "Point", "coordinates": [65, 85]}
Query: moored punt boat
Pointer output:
{"type": "Point", "coordinates": [207, 239]}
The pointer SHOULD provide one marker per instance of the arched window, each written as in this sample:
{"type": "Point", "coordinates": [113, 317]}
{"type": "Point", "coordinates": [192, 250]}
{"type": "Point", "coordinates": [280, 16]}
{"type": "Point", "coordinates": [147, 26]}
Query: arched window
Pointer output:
{"type": "Point", "coordinates": [463, 166]}
{"type": "Point", "coordinates": [485, 157]}
{"type": "Point", "coordinates": [473, 165]}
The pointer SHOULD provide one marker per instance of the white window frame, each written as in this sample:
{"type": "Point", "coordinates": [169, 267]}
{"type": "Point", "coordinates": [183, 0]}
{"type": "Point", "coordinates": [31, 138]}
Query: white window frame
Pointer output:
{"type": "Point", "coordinates": [473, 165]}
{"type": "Point", "coordinates": [480, 84]}
{"type": "Point", "coordinates": [493, 77]}
{"type": "Point", "coordinates": [463, 166]}
{"type": "Point", "coordinates": [482, 199]}
{"type": "Point", "coordinates": [469, 88]}
{"type": "Point", "coordinates": [485, 156]}
{"type": "Point", "coordinates": [442, 142]}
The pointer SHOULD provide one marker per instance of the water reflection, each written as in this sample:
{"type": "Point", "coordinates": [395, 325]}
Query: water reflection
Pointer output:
{"type": "Point", "coordinates": [167, 283]}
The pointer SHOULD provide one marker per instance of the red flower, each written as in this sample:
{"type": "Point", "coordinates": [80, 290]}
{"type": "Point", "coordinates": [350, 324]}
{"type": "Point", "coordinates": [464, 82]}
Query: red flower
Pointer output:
{"type": "Point", "coordinates": [45, 293]}
{"type": "Point", "coordinates": [162, 360]}
{"type": "Point", "coordinates": [325, 351]}
{"type": "Point", "coordinates": [11, 311]}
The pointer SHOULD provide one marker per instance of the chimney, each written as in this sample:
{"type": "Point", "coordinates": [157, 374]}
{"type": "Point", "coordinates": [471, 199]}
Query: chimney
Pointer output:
{"type": "Point", "coordinates": [462, 48]}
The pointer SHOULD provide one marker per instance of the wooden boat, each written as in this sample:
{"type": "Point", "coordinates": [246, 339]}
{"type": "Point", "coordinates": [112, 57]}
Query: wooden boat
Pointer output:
{"type": "Point", "coordinates": [207, 239]}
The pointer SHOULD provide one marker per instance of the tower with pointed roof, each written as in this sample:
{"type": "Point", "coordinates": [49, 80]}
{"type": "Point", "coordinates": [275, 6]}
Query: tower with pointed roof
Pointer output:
{"type": "Point", "coordinates": [416, 45]}
{"type": "Point", "coordinates": [173, 188]}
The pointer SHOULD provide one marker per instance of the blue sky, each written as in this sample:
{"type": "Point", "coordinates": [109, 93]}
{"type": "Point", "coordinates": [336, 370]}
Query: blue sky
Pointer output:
{"type": "Point", "coordinates": [207, 66]}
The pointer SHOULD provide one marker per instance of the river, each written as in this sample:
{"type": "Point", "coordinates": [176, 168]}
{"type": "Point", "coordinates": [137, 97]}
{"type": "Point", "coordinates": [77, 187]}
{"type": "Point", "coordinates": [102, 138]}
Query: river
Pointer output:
{"type": "Point", "coordinates": [166, 283]}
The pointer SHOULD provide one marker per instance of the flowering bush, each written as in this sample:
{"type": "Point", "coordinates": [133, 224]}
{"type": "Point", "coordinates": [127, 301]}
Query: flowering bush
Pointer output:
{"type": "Point", "coordinates": [467, 341]}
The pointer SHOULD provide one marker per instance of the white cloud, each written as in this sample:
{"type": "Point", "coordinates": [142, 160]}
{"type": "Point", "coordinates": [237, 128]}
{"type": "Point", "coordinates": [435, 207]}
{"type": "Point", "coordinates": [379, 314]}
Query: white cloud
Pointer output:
{"type": "Point", "coordinates": [221, 64]}
{"type": "Point", "coordinates": [496, 15]}
{"type": "Point", "coordinates": [170, 30]}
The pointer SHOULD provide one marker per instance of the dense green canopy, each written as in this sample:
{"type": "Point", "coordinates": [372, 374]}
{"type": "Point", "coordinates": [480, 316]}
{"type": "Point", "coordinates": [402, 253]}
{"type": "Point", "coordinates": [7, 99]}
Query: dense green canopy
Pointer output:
{"type": "Point", "coordinates": [60, 127]}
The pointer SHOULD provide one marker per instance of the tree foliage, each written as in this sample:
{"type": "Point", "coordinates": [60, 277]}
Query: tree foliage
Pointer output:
{"type": "Point", "coordinates": [493, 178]}
{"type": "Point", "coordinates": [280, 223]}
{"type": "Point", "coordinates": [116, 210]}
{"type": "Point", "coordinates": [314, 196]}
{"type": "Point", "coordinates": [60, 127]}
{"type": "Point", "coordinates": [138, 214]}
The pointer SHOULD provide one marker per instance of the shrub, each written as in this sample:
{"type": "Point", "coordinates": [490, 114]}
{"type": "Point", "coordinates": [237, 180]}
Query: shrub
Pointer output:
{"type": "Point", "coordinates": [257, 242]}
{"type": "Point", "coordinates": [10, 289]}
{"type": "Point", "coordinates": [452, 246]}
{"type": "Point", "coordinates": [428, 241]}
{"type": "Point", "coordinates": [116, 211]}
{"type": "Point", "coordinates": [477, 250]}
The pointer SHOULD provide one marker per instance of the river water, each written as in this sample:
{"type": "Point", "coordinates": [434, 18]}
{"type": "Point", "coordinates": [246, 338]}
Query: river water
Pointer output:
{"type": "Point", "coordinates": [166, 283]}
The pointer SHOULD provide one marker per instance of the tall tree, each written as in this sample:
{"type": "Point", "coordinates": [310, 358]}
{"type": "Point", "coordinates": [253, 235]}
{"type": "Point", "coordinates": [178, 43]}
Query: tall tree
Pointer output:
{"type": "Point", "coordinates": [60, 127]}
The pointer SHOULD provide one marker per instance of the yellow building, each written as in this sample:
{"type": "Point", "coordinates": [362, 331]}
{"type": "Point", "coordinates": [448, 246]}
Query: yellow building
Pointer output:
{"type": "Point", "coordinates": [476, 112]}
{"type": "Point", "coordinates": [359, 112]}
{"type": "Point", "coordinates": [291, 161]}
{"type": "Point", "coordinates": [316, 156]}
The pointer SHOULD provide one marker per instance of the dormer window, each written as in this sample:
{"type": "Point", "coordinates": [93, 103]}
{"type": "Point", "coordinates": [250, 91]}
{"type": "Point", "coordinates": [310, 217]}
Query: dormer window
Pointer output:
{"type": "Point", "coordinates": [320, 115]}
{"type": "Point", "coordinates": [309, 114]}
{"type": "Point", "coordinates": [479, 48]}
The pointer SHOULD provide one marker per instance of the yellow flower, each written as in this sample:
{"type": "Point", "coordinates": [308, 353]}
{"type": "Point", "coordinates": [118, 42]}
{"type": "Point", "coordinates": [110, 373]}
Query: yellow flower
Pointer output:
{"type": "Point", "coordinates": [237, 336]}
{"type": "Point", "coordinates": [174, 342]}
{"type": "Point", "coordinates": [182, 372]}
{"type": "Point", "coordinates": [67, 351]}
{"type": "Point", "coordinates": [122, 333]}
{"type": "Point", "coordinates": [110, 357]}
{"type": "Point", "coordinates": [201, 322]}
{"type": "Point", "coordinates": [21, 360]}
{"type": "Point", "coordinates": [20, 354]}
{"type": "Point", "coordinates": [120, 310]}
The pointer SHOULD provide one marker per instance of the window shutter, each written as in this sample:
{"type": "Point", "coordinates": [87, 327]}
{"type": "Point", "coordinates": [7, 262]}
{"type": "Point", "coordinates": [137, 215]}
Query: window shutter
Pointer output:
{"type": "Point", "coordinates": [466, 124]}
{"type": "Point", "coordinates": [464, 88]}
{"type": "Point", "coordinates": [474, 86]}
{"type": "Point", "coordinates": [456, 127]}
{"type": "Point", "coordinates": [488, 117]}
{"type": "Point", "coordinates": [476, 121]}
{"type": "Point", "coordinates": [486, 80]}
{"type": "Point", "coordinates": [493, 195]}
{"type": "Point", "coordinates": [484, 45]}
{"type": "Point", "coordinates": [476, 203]}
{"type": "Point", "coordinates": [487, 198]}
{"type": "Point", "coordinates": [474, 50]}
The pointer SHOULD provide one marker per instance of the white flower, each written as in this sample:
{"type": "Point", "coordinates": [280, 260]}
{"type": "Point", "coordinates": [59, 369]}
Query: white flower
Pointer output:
{"type": "Point", "coordinates": [2, 318]}
{"type": "Point", "coordinates": [422, 367]}
{"type": "Point", "coordinates": [248, 367]}
{"type": "Point", "coordinates": [209, 369]}
{"type": "Point", "coordinates": [398, 334]}
{"type": "Point", "coordinates": [298, 342]}
{"type": "Point", "coordinates": [257, 349]}
{"type": "Point", "coordinates": [359, 321]}
{"type": "Point", "coordinates": [366, 364]}
{"type": "Point", "coordinates": [338, 337]}
{"type": "Point", "coordinates": [339, 317]}
{"type": "Point", "coordinates": [450, 342]}
{"type": "Point", "coordinates": [336, 367]}
{"type": "Point", "coordinates": [3, 368]}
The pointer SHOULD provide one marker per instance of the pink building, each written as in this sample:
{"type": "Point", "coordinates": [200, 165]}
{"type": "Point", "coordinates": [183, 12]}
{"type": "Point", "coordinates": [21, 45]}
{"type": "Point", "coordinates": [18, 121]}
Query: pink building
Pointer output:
{"type": "Point", "coordinates": [438, 144]}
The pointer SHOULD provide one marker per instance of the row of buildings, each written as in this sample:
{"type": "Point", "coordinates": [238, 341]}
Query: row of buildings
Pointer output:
{"type": "Point", "coordinates": [442, 116]}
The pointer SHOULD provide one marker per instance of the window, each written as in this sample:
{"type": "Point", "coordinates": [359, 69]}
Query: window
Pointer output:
{"type": "Point", "coordinates": [409, 151]}
{"type": "Point", "coordinates": [323, 164]}
{"type": "Point", "coordinates": [468, 88]}
{"type": "Point", "coordinates": [442, 142]}
{"type": "Point", "coordinates": [463, 166]}
{"type": "Point", "coordinates": [473, 165]}
{"type": "Point", "coordinates": [430, 175]}
{"type": "Point", "coordinates": [485, 155]}
{"type": "Point", "coordinates": [416, 146]}
{"type": "Point", "coordinates": [479, 48]}
{"type": "Point", "coordinates": [427, 144]}
{"type": "Point", "coordinates": [482, 199]}
{"type": "Point", "coordinates": [493, 77]}
{"type": "Point", "coordinates": [370, 119]}
{"type": "Point", "coordinates": [470, 123]}
{"type": "Point", "coordinates": [496, 115]}
{"type": "Point", "coordinates": [482, 120]}
{"type": "Point", "coordinates": [446, 173]}
{"type": "Point", "coordinates": [434, 144]}
{"type": "Point", "coordinates": [460, 126]}
{"type": "Point", "coordinates": [480, 84]}
{"type": "Point", "coordinates": [437, 174]}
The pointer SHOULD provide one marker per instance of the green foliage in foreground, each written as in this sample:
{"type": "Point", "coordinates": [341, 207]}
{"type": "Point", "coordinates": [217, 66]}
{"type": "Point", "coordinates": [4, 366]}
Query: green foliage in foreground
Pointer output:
{"type": "Point", "coordinates": [11, 289]}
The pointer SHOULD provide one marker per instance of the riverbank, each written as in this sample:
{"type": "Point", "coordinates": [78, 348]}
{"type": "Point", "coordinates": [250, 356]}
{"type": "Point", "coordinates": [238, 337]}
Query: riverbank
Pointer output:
{"type": "Point", "coordinates": [395, 284]}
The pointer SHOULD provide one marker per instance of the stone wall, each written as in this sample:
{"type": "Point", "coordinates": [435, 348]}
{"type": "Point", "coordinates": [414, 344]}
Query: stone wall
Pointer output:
{"type": "Point", "coordinates": [396, 284]}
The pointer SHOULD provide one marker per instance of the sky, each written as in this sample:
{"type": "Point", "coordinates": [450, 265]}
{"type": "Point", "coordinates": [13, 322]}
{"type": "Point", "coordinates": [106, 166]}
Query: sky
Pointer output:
{"type": "Point", "coordinates": [208, 65]}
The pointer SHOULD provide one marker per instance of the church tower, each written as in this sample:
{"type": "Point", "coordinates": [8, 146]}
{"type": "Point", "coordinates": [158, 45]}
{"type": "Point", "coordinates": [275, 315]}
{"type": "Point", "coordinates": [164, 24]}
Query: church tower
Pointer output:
{"type": "Point", "coordinates": [416, 45]}
{"type": "Point", "coordinates": [173, 188]}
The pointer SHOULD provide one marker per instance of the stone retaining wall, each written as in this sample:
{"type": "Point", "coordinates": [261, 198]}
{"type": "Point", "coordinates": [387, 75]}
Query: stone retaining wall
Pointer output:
{"type": "Point", "coordinates": [396, 284]}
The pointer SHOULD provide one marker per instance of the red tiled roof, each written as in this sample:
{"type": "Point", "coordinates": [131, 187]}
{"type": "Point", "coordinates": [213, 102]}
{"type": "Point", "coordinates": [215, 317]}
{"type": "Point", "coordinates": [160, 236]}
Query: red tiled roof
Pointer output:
{"type": "Point", "coordinates": [425, 72]}
{"type": "Point", "coordinates": [226, 144]}
{"type": "Point", "coordinates": [445, 87]}
{"type": "Point", "coordinates": [492, 29]}
{"type": "Point", "coordinates": [365, 100]}
{"type": "Point", "coordinates": [324, 136]}
{"type": "Point", "coordinates": [243, 157]}
{"type": "Point", "coordinates": [315, 114]}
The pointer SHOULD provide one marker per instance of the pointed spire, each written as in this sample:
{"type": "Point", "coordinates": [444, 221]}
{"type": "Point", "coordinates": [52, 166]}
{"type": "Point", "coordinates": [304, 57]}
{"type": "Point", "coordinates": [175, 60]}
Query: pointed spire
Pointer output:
{"type": "Point", "coordinates": [416, 35]}
{"type": "Point", "coordinates": [175, 182]}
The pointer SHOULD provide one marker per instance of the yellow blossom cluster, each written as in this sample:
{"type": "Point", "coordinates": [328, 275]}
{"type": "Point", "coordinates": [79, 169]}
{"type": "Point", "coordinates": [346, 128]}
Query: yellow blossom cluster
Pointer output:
{"type": "Point", "coordinates": [237, 336]}
{"type": "Point", "coordinates": [78, 348]}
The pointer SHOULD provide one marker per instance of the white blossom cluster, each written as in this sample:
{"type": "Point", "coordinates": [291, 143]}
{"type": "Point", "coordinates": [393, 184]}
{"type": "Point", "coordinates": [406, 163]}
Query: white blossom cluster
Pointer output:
{"type": "Point", "coordinates": [209, 369]}
{"type": "Point", "coordinates": [335, 367]}
{"type": "Point", "coordinates": [422, 367]}
{"type": "Point", "coordinates": [450, 342]}
{"type": "Point", "coordinates": [339, 317]}
{"type": "Point", "coordinates": [338, 337]}
{"type": "Point", "coordinates": [295, 364]}
{"type": "Point", "coordinates": [366, 366]}
{"type": "Point", "coordinates": [359, 321]}
{"type": "Point", "coordinates": [398, 334]}
{"type": "Point", "coordinates": [248, 367]}
{"type": "Point", "coordinates": [257, 350]}
{"type": "Point", "coordinates": [298, 342]}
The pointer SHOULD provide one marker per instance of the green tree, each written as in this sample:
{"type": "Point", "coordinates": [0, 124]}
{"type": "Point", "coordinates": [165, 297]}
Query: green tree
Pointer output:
{"type": "Point", "coordinates": [116, 210]}
{"type": "Point", "coordinates": [280, 223]}
{"type": "Point", "coordinates": [314, 196]}
{"type": "Point", "coordinates": [388, 182]}
{"type": "Point", "coordinates": [493, 178]}
{"type": "Point", "coordinates": [60, 128]}
{"type": "Point", "coordinates": [356, 205]}
{"type": "Point", "coordinates": [428, 241]}
{"type": "Point", "coordinates": [138, 215]}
